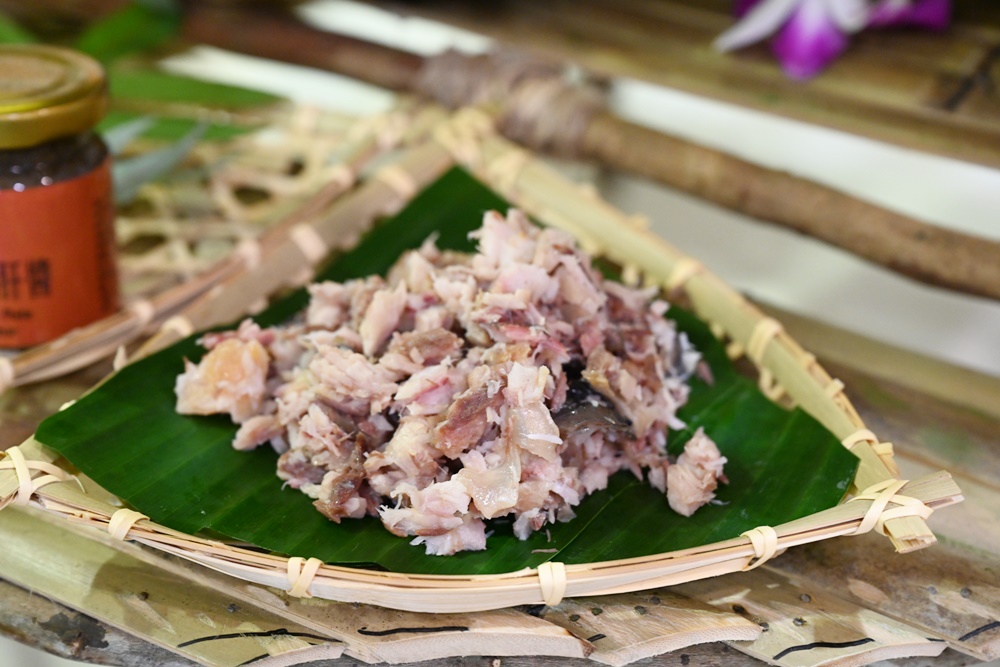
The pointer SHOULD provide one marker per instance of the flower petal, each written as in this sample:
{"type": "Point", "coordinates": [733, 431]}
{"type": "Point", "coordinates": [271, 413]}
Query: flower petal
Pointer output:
{"type": "Point", "coordinates": [849, 15]}
{"type": "Point", "coordinates": [929, 14]}
{"type": "Point", "coordinates": [809, 41]}
{"type": "Point", "coordinates": [888, 12]}
{"type": "Point", "coordinates": [761, 21]}
{"type": "Point", "coordinates": [741, 7]}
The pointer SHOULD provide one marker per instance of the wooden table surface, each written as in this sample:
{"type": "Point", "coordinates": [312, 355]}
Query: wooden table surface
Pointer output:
{"type": "Point", "coordinates": [938, 416]}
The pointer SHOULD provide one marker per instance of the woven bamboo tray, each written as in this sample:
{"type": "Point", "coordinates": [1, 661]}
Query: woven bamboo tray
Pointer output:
{"type": "Point", "coordinates": [29, 474]}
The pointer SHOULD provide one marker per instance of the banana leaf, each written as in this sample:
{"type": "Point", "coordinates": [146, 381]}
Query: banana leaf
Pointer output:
{"type": "Point", "coordinates": [137, 90]}
{"type": "Point", "coordinates": [182, 472]}
{"type": "Point", "coordinates": [11, 32]}
{"type": "Point", "coordinates": [139, 26]}
{"type": "Point", "coordinates": [141, 83]}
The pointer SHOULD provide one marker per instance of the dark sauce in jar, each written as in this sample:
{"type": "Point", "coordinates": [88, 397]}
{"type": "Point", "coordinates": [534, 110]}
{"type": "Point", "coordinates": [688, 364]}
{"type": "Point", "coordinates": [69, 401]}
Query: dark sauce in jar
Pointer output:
{"type": "Point", "coordinates": [51, 162]}
{"type": "Point", "coordinates": [57, 268]}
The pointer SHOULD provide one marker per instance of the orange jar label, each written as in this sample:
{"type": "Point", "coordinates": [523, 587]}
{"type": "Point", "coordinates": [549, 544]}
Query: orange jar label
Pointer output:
{"type": "Point", "coordinates": [57, 266]}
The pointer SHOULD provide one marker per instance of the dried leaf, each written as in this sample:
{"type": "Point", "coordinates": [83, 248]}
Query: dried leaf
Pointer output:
{"type": "Point", "coordinates": [130, 174]}
{"type": "Point", "coordinates": [121, 135]}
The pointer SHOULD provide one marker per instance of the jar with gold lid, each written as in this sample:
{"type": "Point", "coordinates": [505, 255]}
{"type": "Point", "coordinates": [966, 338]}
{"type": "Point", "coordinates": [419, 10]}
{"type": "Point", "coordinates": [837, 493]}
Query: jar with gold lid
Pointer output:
{"type": "Point", "coordinates": [57, 263]}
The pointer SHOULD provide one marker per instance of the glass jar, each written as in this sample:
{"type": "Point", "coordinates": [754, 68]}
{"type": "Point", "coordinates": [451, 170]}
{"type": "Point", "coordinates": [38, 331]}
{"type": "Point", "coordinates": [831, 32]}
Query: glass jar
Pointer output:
{"type": "Point", "coordinates": [57, 252]}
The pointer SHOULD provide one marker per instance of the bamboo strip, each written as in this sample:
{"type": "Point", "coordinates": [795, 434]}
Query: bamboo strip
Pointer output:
{"type": "Point", "coordinates": [99, 340]}
{"type": "Point", "coordinates": [472, 592]}
{"type": "Point", "coordinates": [558, 202]}
{"type": "Point", "coordinates": [366, 632]}
{"type": "Point", "coordinates": [945, 592]}
{"type": "Point", "coordinates": [340, 227]}
{"type": "Point", "coordinates": [630, 628]}
{"type": "Point", "coordinates": [191, 619]}
{"type": "Point", "coordinates": [830, 630]}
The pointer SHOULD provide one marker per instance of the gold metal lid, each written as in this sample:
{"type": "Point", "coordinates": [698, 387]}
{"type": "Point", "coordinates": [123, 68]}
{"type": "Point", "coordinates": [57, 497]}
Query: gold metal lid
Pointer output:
{"type": "Point", "coordinates": [47, 92]}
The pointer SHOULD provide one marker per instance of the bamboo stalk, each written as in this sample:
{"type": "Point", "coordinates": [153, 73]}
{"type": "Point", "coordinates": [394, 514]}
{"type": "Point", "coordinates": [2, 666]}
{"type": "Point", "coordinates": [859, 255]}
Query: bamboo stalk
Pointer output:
{"type": "Point", "coordinates": [923, 252]}
{"type": "Point", "coordinates": [912, 248]}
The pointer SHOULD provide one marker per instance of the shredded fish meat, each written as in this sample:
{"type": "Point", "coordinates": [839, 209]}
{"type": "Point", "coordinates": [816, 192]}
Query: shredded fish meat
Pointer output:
{"type": "Point", "coordinates": [437, 397]}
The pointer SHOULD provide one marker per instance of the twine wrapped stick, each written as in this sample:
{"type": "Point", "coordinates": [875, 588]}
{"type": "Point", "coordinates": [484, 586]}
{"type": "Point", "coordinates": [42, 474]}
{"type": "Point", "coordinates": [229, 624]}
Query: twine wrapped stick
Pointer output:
{"type": "Point", "coordinates": [537, 108]}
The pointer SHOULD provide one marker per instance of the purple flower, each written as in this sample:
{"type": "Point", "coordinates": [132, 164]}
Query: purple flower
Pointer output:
{"type": "Point", "coordinates": [809, 34]}
{"type": "Point", "coordinates": [929, 14]}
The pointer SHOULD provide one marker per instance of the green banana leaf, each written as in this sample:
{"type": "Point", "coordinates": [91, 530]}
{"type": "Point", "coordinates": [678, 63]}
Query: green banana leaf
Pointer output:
{"type": "Point", "coordinates": [182, 472]}
{"type": "Point", "coordinates": [139, 26]}
{"type": "Point", "coordinates": [137, 90]}
{"type": "Point", "coordinates": [11, 32]}
{"type": "Point", "coordinates": [133, 81]}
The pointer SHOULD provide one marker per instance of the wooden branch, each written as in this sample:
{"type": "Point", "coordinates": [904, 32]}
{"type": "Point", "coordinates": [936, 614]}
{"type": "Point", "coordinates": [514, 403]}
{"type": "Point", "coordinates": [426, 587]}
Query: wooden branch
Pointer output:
{"type": "Point", "coordinates": [918, 250]}
{"type": "Point", "coordinates": [278, 35]}
{"type": "Point", "coordinates": [924, 252]}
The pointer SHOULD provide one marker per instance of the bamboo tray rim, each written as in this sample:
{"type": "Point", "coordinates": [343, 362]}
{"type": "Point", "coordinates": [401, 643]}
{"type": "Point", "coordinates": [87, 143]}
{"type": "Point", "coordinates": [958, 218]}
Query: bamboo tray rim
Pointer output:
{"type": "Point", "coordinates": [63, 495]}
{"type": "Point", "coordinates": [897, 508]}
